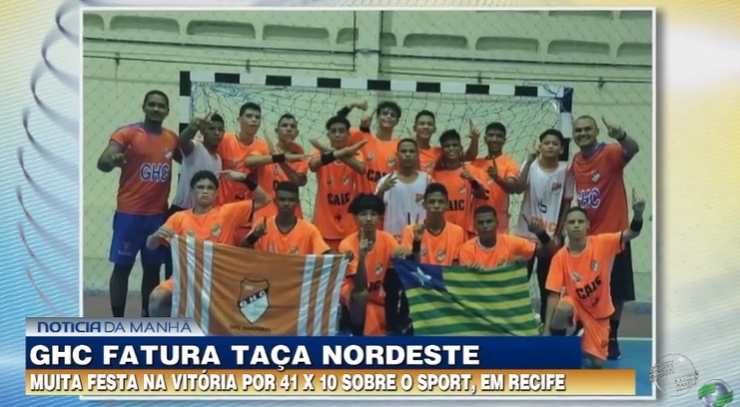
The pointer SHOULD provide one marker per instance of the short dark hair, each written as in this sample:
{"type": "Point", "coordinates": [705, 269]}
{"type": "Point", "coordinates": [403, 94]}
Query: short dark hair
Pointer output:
{"type": "Point", "coordinates": [337, 120]}
{"type": "Point", "coordinates": [436, 187]}
{"type": "Point", "coordinates": [425, 113]}
{"type": "Point", "coordinates": [286, 116]}
{"type": "Point", "coordinates": [201, 175]}
{"type": "Point", "coordinates": [217, 118]}
{"type": "Point", "coordinates": [574, 209]}
{"type": "Point", "coordinates": [407, 140]}
{"type": "Point", "coordinates": [553, 132]}
{"type": "Point", "coordinates": [392, 106]}
{"type": "Point", "coordinates": [449, 135]}
{"type": "Point", "coordinates": [366, 202]}
{"type": "Point", "coordinates": [286, 186]}
{"type": "Point", "coordinates": [158, 93]}
{"type": "Point", "coordinates": [249, 106]}
{"type": "Point", "coordinates": [496, 126]}
{"type": "Point", "coordinates": [482, 210]}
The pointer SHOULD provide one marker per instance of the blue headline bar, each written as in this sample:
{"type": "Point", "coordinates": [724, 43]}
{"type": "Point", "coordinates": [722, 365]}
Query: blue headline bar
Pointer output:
{"type": "Point", "coordinates": [537, 352]}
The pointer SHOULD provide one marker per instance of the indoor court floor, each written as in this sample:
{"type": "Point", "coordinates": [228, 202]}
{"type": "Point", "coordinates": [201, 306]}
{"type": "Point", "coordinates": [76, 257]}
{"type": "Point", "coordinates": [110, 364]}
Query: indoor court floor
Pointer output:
{"type": "Point", "coordinates": [636, 354]}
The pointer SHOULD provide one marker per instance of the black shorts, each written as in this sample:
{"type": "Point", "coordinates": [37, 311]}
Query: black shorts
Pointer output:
{"type": "Point", "coordinates": [623, 276]}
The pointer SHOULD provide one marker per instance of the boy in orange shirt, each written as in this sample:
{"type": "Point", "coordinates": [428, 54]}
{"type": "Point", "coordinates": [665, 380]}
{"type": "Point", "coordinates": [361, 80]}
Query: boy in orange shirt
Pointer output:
{"type": "Point", "coordinates": [281, 164]}
{"type": "Point", "coordinates": [285, 233]}
{"type": "Point", "coordinates": [370, 251]}
{"type": "Point", "coordinates": [429, 157]}
{"type": "Point", "coordinates": [434, 241]}
{"type": "Point", "coordinates": [582, 272]}
{"type": "Point", "coordinates": [491, 249]}
{"type": "Point", "coordinates": [338, 175]}
{"type": "Point", "coordinates": [205, 221]}
{"type": "Point", "coordinates": [502, 171]}
{"type": "Point", "coordinates": [143, 151]}
{"type": "Point", "coordinates": [464, 183]}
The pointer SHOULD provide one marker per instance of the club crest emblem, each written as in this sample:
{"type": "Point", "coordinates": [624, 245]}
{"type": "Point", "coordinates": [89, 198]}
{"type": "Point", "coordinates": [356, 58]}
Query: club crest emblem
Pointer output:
{"type": "Point", "coordinates": [254, 300]}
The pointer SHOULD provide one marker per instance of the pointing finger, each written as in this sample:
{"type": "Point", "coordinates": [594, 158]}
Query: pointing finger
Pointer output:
{"type": "Point", "coordinates": [605, 122]}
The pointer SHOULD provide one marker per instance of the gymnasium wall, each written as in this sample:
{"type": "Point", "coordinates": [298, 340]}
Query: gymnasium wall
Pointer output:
{"type": "Point", "coordinates": [606, 57]}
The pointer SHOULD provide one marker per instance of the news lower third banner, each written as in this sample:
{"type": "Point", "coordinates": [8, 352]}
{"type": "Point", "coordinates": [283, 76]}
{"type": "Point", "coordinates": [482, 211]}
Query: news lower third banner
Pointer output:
{"type": "Point", "coordinates": [150, 357]}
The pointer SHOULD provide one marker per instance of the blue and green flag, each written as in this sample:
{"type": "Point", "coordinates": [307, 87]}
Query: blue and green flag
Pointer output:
{"type": "Point", "coordinates": [455, 300]}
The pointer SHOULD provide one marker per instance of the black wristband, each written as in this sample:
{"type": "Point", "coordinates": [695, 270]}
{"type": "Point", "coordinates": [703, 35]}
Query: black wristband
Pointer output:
{"type": "Point", "coordinates": [250, 183]}
{"type": "Point", "coordinates": [544, 237]}
{"type": "Point", "coordinates": [365, 129]}
{"type": "Point", "coordinates": [251, 239]}
{"type": "Point", "coordinates": [636, 225]}
{"type": "Point", "coordinates": [278, 158]}
{"type": "Point", "coordinates": [327, 158]}
{"type": "Point", "coordinates": [621, 139]}
{"type": "Point", "coordinates": [475, 184]}
{"type": "Point", "coordinates": [416, 246]}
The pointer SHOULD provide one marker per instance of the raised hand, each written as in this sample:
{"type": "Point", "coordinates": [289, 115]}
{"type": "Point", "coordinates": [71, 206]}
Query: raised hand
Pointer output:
{"type": "Point", "coordinates": [235, 176]}
{"type": "Point", "coordinates": [419, 229]}
{"type": "Point", "coordinates": [366, 122]}
{"type": "Point", "coordinates": [493, 169]}
{"type": "Point", "coordinates": [350, 151]}
{"type": "Point", "coordinates": [389, 183]}
{"type": "Point", "coordinates": [361, 104]}
{"type": "Point", "coordinates": [473, 132]}
{"type": "Point", "coordinates": [613, 130]}
{"type": "Point", "coordinates": [365, 245]}
{"type": "Point", "coordinates": [534, 225]}
{"type": "Point", "coordinates": [533, 152]}
{"type": "Point", "coordinates": [638, 204]}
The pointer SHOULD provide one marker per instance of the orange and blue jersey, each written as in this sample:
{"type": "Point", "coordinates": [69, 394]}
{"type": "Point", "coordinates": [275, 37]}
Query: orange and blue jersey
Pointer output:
{"type": "Point", "coordinates": [143, 190]}
{"type": "Point", "coordinates": [144, 185]}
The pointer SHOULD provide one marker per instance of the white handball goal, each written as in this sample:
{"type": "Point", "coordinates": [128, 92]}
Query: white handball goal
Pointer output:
{"type": "Point", "coordinates": [526, 110]}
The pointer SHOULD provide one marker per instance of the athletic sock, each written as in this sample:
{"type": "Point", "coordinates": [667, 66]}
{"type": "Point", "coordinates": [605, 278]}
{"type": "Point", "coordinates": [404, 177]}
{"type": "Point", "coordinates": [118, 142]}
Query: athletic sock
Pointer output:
{"type": "Point", "coordinates": [118, 310]}
{"type": "Point", "coordinates": [613, 329]}
{"type": "Point", "coordinates": [557, 332]}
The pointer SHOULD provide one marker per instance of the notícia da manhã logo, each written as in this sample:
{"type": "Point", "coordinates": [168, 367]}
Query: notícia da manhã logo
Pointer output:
{"type": "Point", "coordinates": [715, 393]}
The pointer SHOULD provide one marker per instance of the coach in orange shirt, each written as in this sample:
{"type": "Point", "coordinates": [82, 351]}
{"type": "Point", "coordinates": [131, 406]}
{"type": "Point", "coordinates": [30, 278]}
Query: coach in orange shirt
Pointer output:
{"type": "Point", "coordinates": [598, 171]}
{"type": "Point", "coordinates": [285, 233]}
{"type": "Point", "coordinates": [205, 221]}
{"type": "Point", "coordinates": [582, 270]}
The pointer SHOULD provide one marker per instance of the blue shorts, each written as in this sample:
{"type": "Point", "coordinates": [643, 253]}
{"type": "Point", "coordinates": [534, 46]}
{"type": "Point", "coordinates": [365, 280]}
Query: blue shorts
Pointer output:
{"type": "Point", "coordinates": [129, 238]}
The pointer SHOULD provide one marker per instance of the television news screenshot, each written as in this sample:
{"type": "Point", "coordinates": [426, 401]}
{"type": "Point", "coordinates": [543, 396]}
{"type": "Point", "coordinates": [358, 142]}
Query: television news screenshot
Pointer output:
{"type": "Point", "coordinates": [368, 205]}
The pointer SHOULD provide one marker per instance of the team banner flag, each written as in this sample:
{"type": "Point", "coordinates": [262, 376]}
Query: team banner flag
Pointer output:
{"type": "Point", "coordinates": [230, 290]}
{"type": "Point", "coordinates": [456, 300]}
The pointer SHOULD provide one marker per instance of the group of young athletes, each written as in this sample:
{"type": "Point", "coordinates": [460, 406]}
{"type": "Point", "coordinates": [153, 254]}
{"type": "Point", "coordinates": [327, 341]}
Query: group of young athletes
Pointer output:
{"type": "Point", "coordinates": [380, 196]}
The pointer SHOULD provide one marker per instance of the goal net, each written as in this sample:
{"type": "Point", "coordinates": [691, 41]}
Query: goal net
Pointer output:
{"type": "Point", "coordinates": [525, 110]}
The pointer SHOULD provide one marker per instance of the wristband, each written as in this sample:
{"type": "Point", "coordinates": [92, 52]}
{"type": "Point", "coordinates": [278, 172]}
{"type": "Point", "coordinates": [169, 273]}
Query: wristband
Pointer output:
{"type": "Point", "coordinates": [250, 183]}
{"type": "Point", "coordinates": [475, 184]}
{"type": "Point", "coordinates": [327, 158]}
{"type": "Point", "coordinates": [544, 237]}
{"type": "Point", "coordinates": [278, 158]}
{"type": "Point", "coordinates": [621, 139]}
{"type": "Point", "coordinates": [636, 225]}
{"type": "Point", "coordinates": [416, 246]}
{"type": "Point", "coordinates": [251, 239]}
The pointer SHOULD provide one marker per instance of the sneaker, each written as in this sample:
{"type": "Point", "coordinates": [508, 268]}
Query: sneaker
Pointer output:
{"type": "Point", "coordinates": [614, 352]}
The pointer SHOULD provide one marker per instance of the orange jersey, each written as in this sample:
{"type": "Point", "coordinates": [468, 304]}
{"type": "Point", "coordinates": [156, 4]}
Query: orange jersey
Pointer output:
{"type": "Point", "coordinates": [461, 201]}
{"type": "Point", "coordinates": [508, 249]}
{"type": "Point", "coordinates": [428, 159]}
{"type": "Point", "coordinates": [380, 158]}
{"type": "Point", "coordinates": [441, 249]}
{"type": "Point", "coordinates": [377, 261]}
{"type": "Point", "coordinates": [268, 176]}
{"type": "Point", "coordinates": [144, 185]}
{"type": "Point", "coordinates": [303, 239]}
{"type": "Point", "coordinates": [337, 184]}
{"type": "Point", "coordinates": [233, 153]}
{"type": "Point", "coordinates": [587, 275]}
{"type": "Point", "coordinates": [497, 197]}
{"type": "Point", "coordinates": [217, 225]}
{"type": "Point", "coordinates": [600, 189]}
